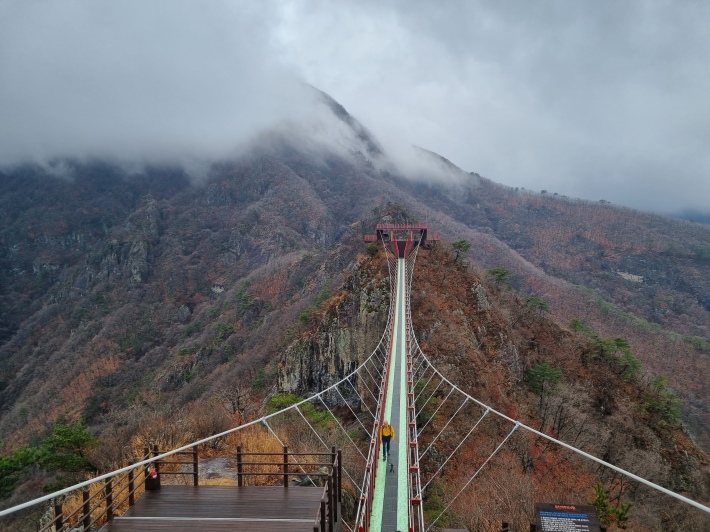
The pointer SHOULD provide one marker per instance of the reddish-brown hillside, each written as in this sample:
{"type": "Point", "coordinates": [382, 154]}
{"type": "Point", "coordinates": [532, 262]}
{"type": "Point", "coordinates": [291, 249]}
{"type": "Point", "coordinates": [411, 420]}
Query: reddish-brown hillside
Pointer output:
{"type": "Point", "coordinates": [131, 299]}
{"type": "Point", "coordinates": [488, 340]}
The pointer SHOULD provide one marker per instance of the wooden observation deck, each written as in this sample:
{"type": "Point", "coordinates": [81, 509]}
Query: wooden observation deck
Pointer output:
{"type": "Point", "coordinates": [252, 508]}
{"type": "Point", "coordinates": [307, 497]}
{"type": "Point", "coordinates": [246, 508]}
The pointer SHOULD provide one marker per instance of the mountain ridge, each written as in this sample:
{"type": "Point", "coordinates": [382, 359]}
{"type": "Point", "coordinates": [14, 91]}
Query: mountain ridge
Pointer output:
{"type": "Point", "coordinates": [152, 292]}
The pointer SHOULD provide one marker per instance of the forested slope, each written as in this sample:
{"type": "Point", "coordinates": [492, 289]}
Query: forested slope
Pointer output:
{"type": "Point", "coordinates": [133, 296]}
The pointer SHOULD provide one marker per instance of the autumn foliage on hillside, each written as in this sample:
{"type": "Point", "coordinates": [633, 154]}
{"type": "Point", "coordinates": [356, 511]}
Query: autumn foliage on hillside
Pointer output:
{"type": "Point", "coordinates": [153, 304]}
{"type": "Point", "coordinates": [152, 309]}
{"type": "Point", "coordinates": [621, 272]}
{"type": "Point", "coordinates": [502, 348]}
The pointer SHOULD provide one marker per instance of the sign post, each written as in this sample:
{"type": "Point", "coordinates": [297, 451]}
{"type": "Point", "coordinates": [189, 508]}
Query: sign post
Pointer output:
{"type": "Point", "coordinates": [552, 517]}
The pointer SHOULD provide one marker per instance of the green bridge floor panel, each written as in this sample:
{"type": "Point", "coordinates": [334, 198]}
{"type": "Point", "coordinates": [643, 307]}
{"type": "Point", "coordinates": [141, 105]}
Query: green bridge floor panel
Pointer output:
{"type": "Point", "coordinates": [390, 509]}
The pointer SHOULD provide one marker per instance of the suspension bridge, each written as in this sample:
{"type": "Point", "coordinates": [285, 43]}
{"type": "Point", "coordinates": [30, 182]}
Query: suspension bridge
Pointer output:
{"type": "Point", "coordinates": [394, 383]}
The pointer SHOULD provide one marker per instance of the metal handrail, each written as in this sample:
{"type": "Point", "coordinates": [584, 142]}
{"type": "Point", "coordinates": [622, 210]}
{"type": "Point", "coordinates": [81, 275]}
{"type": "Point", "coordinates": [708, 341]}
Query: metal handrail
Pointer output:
{"type": "Point", "coordinates": [364, 510]}
{"type": "Point", "coordinates": [106, 495]}
{"type": "Point", "coordinates": [414, 488]}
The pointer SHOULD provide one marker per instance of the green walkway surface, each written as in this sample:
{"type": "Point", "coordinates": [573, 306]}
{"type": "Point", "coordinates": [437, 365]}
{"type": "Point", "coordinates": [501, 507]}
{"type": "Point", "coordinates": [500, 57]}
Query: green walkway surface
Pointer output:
{"type": "Point", "coordinates": [390, 504]}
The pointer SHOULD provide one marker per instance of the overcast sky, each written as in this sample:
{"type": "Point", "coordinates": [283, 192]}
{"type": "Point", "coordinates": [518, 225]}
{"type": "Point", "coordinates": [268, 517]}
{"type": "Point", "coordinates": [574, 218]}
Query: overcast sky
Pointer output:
{"type": "Point", "coordinates": [596, 99]}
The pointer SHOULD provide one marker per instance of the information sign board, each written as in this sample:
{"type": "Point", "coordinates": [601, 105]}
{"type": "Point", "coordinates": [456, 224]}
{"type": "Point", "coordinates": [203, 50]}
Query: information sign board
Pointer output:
{"type": "Point", "coordinates": [552, 517]}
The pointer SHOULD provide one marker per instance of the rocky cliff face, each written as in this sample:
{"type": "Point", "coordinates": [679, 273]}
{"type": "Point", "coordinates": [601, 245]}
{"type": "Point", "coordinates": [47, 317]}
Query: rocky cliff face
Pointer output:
{"type": "Point", "coordinates": [345, 334]}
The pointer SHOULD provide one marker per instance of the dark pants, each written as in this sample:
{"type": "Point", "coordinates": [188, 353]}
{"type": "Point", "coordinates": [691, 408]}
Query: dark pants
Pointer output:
{"type": "Point", "coordinates": [386, 445]}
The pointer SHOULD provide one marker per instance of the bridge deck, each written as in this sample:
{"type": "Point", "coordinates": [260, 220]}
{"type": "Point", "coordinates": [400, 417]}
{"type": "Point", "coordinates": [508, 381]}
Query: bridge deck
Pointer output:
{"type": "Point", "coordinates": [246, 508]}
{"type": "Point", "coordinates": [390, 504]}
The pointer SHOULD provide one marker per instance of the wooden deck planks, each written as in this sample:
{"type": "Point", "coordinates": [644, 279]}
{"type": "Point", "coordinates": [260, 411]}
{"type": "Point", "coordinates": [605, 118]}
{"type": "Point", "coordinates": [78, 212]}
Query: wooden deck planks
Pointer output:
{"type": "Point", "coordinates": [222, 508]}
{"type": "Point", "coordinates": [119, 525]}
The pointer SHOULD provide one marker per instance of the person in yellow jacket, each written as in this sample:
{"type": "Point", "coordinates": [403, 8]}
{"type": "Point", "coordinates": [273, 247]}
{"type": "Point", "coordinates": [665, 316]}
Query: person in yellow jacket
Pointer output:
{"type": "Point", "coordinates": [386, 435]}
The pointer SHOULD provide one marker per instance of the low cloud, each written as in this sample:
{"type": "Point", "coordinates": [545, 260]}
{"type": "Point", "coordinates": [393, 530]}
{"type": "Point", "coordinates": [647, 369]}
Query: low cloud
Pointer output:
{"type": "Point", "coordinates": [599, 101]}
{"type": "Point", "coordinates": [140, 80]}
{"type": "Point", "coordinates": [589, 99]}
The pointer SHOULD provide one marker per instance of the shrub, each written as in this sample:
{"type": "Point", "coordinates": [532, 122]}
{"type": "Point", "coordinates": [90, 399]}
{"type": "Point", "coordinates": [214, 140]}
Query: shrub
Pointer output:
{"type": "Point", "coordinates": [320, 418]}
{"type": "Point", "coordinates": [544, 378]}
{"type": "Point", "coordinates": [282, 400]}
{"type": "Point", "coordinates": [461, 247]}
{"type": "Point", "coordinates": [502, 275]}
{"type": "Point", "coordinates": [192, 328]}
{"type": "Point", "coordinates": [304, 315]}
{"type": "Point", "coordinates": [663, 403]}
{"type": "Point", "coordinates": [263, 378]}
{"type": "Point", "coordinates": [609, 513]}
{"type": "Point", "coordinates": [578, 326]}
{"type": "Point", "coordinates": [322, 296]}
{"type": "Point", "coordinates": [536, 303]}
{"type": "Point", "coordinates": [224, 330]}
{"type": "Point", "coordinates": [617, 352]}
{"type": "Point", "coordinates": [65, 450]}
{"type": "Point", "coordinates": [187, 350]}
{"type": "Point", "coordinates": [631, 366]}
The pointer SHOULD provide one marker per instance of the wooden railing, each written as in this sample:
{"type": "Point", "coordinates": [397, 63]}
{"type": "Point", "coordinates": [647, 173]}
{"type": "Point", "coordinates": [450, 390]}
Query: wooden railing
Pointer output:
{"type": "Point", "coordinates": [282, 465]}
{"type": "Point", "coordinates": [114, 495]}
{"type": "Point", "coordinates": [192, 464]}
{"type": "Point", "coordinates": [105, 499]}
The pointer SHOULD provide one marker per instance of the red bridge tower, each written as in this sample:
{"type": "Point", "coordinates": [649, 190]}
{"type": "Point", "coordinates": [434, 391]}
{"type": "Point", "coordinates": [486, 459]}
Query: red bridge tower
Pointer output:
{"type": "Point", "coordinates": [402, 237]}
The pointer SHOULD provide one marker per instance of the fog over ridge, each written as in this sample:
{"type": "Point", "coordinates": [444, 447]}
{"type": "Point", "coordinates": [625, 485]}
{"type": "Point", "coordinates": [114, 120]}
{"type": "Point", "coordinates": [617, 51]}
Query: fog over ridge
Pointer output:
{"type": "Point", "coordinates": [598, 101]}
{"type": "Point", "coordinates": [102, 79]}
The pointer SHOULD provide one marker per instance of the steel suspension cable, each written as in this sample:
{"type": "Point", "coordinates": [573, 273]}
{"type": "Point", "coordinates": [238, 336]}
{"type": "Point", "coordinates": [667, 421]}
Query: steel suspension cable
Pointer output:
{"type": "Point", "coordinates": [321, 440]}
{"type": "Point", "coordinates": [342, 428]}
{"type": "Point", "coordinates": [452, 453]}
{"type": "Point", "coordinates": [432, 393]}
{"type": "Point", "coordinates": [628, 474]}
{"type": "Point", "coordinates": [465, 400]}
{"type": "Point", "coordinates": [362, 402]}
{"type": "Point", "coordinates": [284, 446]}
{"type": "Point", "coordinates": [435, 411]}
{"type": "Point", "coordinates": [353, 413]}
{"type": "Point", "coordinates": [371, 377]}
{"type": "Point", "coordinates": [424, 387]}
{"type": "Point", "coordinates": [475, 474]}
{"type": "Point", "coordinates": [421, 363]}
{"type": "Point", "coordinates": [364, 384]}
